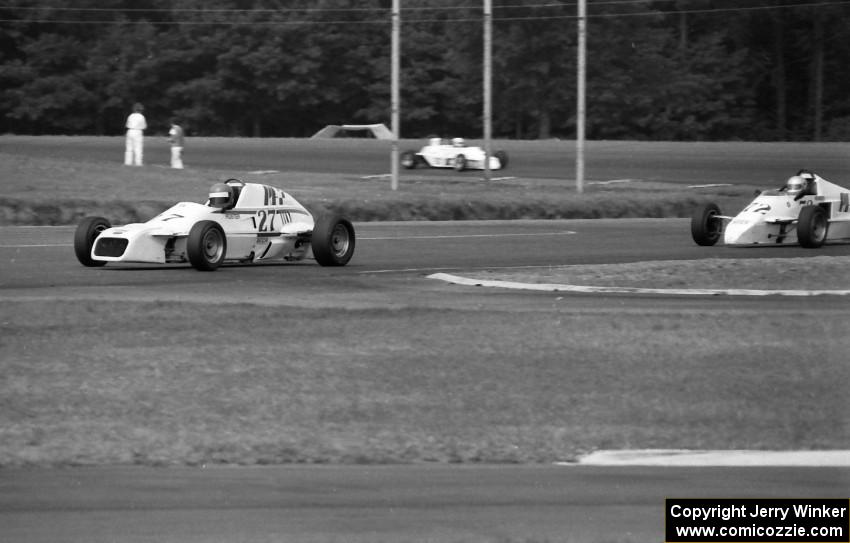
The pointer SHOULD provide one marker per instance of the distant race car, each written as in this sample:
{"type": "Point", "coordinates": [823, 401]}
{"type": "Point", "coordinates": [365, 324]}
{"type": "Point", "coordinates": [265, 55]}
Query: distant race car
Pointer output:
{"type": "Point", "coordinates": [240, 222]}
{"type": "Point", "coordinates": [440, 153]}
{"type": "Point", "coordinates": [808, 210]}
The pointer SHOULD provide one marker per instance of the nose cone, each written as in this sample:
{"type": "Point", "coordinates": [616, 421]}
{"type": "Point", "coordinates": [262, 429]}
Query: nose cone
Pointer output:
{"type": "Point", "coordinates": [747, 231]}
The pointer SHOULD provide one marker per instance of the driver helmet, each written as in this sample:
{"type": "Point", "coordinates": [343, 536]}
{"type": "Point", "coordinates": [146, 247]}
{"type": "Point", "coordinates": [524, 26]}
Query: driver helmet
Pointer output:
{"type": "Point", "coordinates": [458, 142]}
{"type": "Point", "coordinates": [222, 196]}
{"type": "Point", "coordinates": [795, 184]}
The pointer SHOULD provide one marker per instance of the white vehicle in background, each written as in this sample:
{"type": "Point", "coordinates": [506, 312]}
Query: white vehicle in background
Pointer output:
{"type": "Point", "coordinates": [239, 223]}
{"type": "Point", "coordinates": [456, 154]}
{"type": "Point", "coordinates": [808, 210]}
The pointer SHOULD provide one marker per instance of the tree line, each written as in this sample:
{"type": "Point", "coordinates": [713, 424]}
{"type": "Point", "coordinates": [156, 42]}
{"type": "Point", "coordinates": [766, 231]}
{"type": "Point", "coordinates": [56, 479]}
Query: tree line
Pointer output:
{"type": "Point", "coordinates": [656, 70]}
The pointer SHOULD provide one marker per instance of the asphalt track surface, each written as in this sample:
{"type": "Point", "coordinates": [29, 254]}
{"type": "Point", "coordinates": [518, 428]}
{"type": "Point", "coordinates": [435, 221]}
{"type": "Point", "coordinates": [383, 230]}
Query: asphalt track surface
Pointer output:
{"type": "Point", "coordinates": [391, 503]}
{"type": "Point", "coordinates": [434, 503]}
{"type": "Point", "coordinates": [390, 266]}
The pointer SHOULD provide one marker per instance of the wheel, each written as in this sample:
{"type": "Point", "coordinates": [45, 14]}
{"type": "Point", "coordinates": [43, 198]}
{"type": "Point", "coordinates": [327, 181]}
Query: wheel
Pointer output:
{"type": "Point", "coordinates": [333, 241]}
{"type": "Point", "coordinates": [460, 163]}
{"type": "Point", "coordinates": [206, 246]}
{"type": "Point", "coordinates": [812, 226]}
{"type": "Point", "coordinates": [408, 160]}
{"type": "Point", "coordinates": [705, 226]}
{"type": "Point", "coordinates": [87, 231]}
{"type": "Point", "coordinates": [503, 159]}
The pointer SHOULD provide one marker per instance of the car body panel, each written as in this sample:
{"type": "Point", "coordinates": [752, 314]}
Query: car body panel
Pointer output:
{"type": "Point", "coordinates": [441, 153]}
{"type": "Point", "coordinates": [266, 223]}
{"type": "Point", "coordinates": [771, 218]}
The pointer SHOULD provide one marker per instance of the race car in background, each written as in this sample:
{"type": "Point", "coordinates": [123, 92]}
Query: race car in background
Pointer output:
{"type": "Point", "coordinates": [808, 210]}
{"type": "Point", "coordinates": [239, 223]}
{"type": "Point", "coordinates": [456, 154]}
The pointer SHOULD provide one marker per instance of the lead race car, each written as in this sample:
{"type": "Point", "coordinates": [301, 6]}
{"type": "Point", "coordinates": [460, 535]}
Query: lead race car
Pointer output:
{"type": "Point", "coordinates": [240, 222]}
{"type": "Point", "coordinates": [456, 154]}
{"type": "Point", "coordinates": [808, 210]}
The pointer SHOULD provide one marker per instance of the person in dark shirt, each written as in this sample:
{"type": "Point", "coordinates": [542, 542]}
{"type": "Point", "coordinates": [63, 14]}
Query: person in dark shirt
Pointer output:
{"type": "Point", "coordinates": [177, 139]}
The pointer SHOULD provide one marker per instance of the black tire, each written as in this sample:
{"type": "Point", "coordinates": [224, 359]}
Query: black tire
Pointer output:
{"type": "Point", "coordinates": [503, 159]}
{"type": "Point", "coordinates": [460, 163]}
{"type": "Point", "coordinates": [87, 232]}
{"type": "Point", "coordinates": [333, 240]}
{"type": "Point", "coordinates": [409, 160]}
{"type": "Point", "coordinates": [206, 246]}
{"type": "Point", "coordinates": [705, 226]}
{"type": "Point", "coordinates": [812, 227]}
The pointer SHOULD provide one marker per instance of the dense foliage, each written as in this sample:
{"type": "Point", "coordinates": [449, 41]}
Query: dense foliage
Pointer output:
{"type": "Point", "coordinates": [665, 70]}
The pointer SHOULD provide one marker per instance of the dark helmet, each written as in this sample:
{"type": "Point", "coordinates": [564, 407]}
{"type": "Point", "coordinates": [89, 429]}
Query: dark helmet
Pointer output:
{"type": "Point", "coordinates": [222, 196]}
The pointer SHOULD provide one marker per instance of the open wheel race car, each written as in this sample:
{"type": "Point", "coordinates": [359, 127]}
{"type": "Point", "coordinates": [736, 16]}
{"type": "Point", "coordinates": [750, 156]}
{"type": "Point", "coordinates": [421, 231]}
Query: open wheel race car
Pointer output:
{"type": "Point", "coordinates": [808, 210]}
{"type": "Point", "coordinates": [456, 154]}
{"type": "Point", "coordinates": [240, 222]}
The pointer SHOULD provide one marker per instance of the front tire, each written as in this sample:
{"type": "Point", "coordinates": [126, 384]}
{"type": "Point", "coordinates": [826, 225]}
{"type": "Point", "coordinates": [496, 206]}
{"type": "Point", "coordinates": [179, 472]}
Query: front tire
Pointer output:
{"type": "Point", "coordinates": [460, 163]}
{"type": "Point", "coordinates": [503, 159]}
{"type": "Point", "coordinates": [812, 227]}
{"type": "Point", "coordinates": [206, 246]}
{"type": "Point", "coordinates": [87, 232]}
{"type": "Point", "coordinates": [333, 241]}
{"type": "Point", "coordinates": [706, 227]}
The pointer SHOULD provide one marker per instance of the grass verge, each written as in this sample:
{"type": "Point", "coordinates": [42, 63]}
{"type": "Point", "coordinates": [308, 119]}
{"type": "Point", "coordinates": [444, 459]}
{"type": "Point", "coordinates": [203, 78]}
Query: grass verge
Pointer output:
{"type": "Point", "coordinates": [815, 273]}
{"type": "Point", "coordinates": [59, 191]}
{"type": "Point", "coordinates": [411, 385]}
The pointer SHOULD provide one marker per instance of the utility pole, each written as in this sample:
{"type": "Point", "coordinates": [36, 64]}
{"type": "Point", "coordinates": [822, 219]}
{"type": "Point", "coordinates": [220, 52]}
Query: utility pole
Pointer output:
{"type": "Point", "coordinates": [394, 92]}
{"type": "Point", "coordinates": [488, 85]}
{"type": "Point", "coordinates": [580, 93]}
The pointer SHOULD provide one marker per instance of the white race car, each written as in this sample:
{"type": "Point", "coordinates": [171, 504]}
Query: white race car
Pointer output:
{"type": "Point", "coordinates": [808, 210]}
{"type": "Point", "coordinates": [240, 222]}
{"type": "Point", "coordinates": [440, 153]}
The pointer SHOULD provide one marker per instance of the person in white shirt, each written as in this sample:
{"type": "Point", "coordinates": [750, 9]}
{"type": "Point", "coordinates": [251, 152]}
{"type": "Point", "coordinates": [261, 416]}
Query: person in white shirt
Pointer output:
{"type": "Point", "coordinates": [136, 125]}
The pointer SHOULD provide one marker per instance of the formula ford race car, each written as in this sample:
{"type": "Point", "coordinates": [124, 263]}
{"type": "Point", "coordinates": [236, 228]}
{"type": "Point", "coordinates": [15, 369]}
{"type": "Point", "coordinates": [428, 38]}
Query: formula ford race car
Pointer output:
{"type": "Point", "coordinates": [456, 154]}
{"type": "Point", "coordinates": [808, 210]}
{"type": "Point", "coordinates": [240, 222]}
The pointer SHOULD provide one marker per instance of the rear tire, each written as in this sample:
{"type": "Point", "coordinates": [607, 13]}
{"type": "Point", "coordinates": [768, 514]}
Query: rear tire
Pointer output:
{"type": "Point", "coordinates": [705, 226]}
{"type": "Point", "coordinates": [206, 246]}
{"type": "Point", "coordinates": [409, 160]}
{"type": "Point", "coordinates": [333, 240]}
{"type": "Point", "coordinates": [503, 159]}
{"type": "Point", "coordinates": [87, 232]}
{"type": "Point", "coordinates": [812, 227]}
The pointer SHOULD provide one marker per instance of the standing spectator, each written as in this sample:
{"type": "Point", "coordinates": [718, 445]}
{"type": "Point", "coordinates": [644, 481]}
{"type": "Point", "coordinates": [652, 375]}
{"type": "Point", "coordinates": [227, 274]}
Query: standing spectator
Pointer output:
{"type": "Point", "coordinates": [136, 125]}
{"type": "Point", "coordinates": [176, 137]}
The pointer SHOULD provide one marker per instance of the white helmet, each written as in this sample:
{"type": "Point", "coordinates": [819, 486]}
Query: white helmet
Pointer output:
{"type": "Point", "coordinates": [795, 184]}
{"type": "Point", "coordinates": [458, 142]}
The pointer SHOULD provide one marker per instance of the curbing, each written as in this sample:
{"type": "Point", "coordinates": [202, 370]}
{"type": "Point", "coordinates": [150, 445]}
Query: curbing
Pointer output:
{"type": "Point", "coordinates": [554, 287]}
{"type": "Point", "coordinates": [731, 458]}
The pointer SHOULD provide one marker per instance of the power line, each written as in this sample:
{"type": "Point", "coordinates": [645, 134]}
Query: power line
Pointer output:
{"type": "Point", "coordinates": [567, 4]}
{"type": "Point", "coordinates": [680, 11]}
{"type": "Point", "coordinates": [405, 21]}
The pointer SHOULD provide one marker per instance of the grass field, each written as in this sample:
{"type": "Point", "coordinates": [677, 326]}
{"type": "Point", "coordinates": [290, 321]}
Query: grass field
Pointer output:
{"type": "Point", "coordinates": [88, 383]}
{"type": "Point", "coordinates": [83, 382]}
{"type": "Point", "coordinates": [58, 183]}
